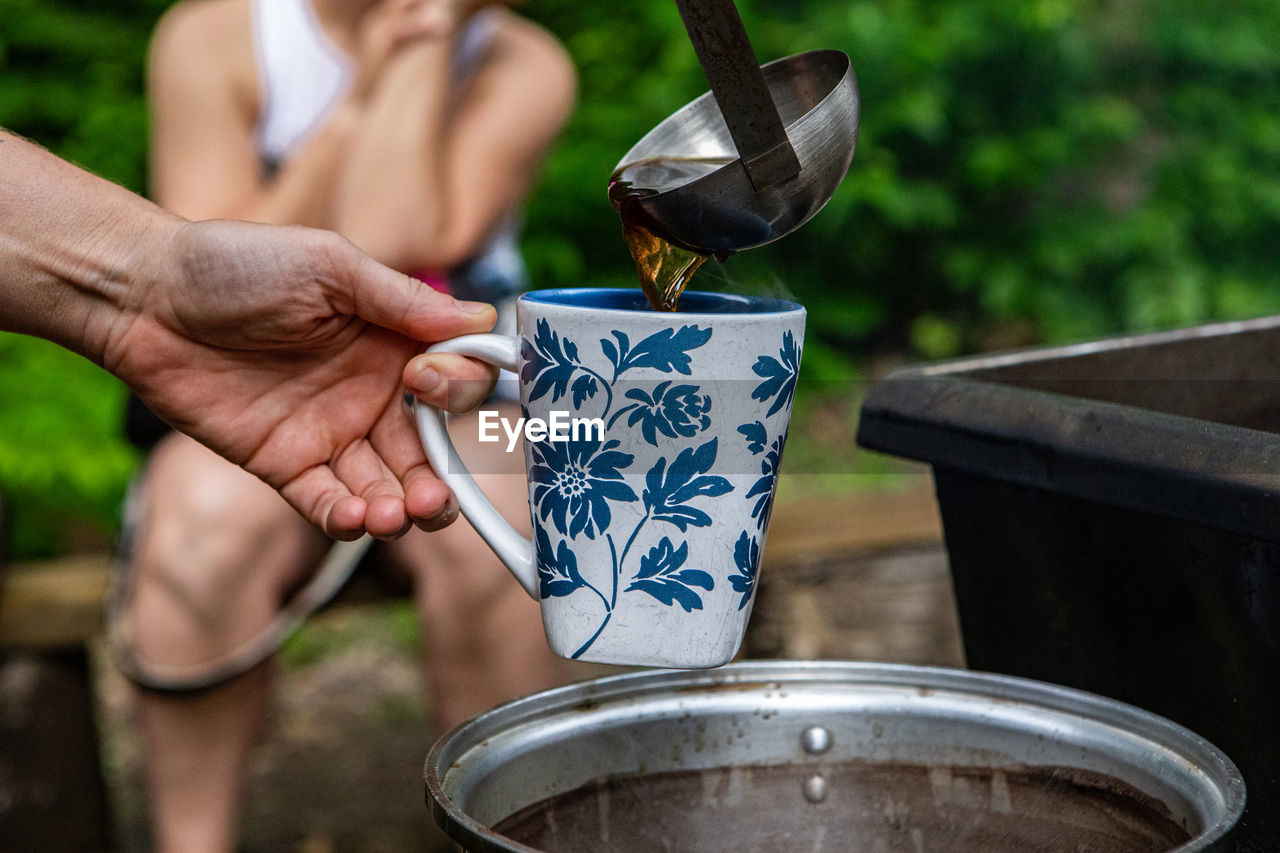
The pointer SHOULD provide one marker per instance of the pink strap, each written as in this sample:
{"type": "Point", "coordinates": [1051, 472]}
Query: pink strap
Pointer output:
{"type": "Point", "coordinates": [435, 280]}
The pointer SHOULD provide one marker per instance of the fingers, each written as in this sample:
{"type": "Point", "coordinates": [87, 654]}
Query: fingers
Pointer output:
{"type": "Point", "coordinates": [434, 19]}
{"type": "Point", "coordinates": [363, 471]}
{"type": "Point", "coordinates": [376, 293]}
{"type": "Point", "coordinates": [440, 18]}
{"type": "Point", "coordinates": [345, 519]}
{"type": "Point", "coordinates": [326, 502]}
{"type": "Point", "coordinates": [428, 503]}
{"type": "Point", "coordinates": [449, 381]}
{"type": "Point", "coordinates": [387, 511]}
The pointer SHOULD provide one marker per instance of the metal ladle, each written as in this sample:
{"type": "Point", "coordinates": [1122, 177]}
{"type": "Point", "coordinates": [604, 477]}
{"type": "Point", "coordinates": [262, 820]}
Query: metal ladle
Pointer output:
{"type": "Point", "coordinates": [778, 138]}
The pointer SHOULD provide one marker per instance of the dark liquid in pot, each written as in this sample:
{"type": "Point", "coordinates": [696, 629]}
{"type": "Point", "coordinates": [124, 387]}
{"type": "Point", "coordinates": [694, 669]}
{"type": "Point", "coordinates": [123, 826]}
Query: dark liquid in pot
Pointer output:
{"type": "Point", "coordinates": [663, 266]}
{"type": "Point", "coordinates": [867, 806]}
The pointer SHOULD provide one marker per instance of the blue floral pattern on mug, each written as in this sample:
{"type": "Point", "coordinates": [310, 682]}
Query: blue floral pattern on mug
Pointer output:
{"type": "Point", "coordinates": [557, 570]}
{"type": "Point", "coordinates": [669, 491]}
{"type": "Point", "coordinates": [764, 488]}
{"type": "Point", "coordinates": [575, 481]}
{"type": "Point", "coordinates": [667, 350]}
{"type": "Point", "coordinates": [647, 391]}
{"type": "Point", "coordinates": [779, 375]}
{"type": "Point", "coordinates": [746, 557]}
{"type": "Point", "coordinates": [673, 410]}
{"type": "Point", "coordinates": [662, 575]}
{"type": "Point", "coordinates": [553, 365]}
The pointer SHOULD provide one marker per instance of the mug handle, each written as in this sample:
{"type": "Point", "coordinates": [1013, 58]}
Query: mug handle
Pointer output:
{"type": "Point", "coordinates": [514, 549]}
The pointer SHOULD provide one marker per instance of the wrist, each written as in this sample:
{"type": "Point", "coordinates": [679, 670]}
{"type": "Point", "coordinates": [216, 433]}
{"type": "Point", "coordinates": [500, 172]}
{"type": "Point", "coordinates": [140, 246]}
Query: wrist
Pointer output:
{"type": "Point", "coordinates": [129, 266]}
{"type": "Point", "coordinates": [415, 70]}
{"type": "Point", "coordinates": [75, 249]}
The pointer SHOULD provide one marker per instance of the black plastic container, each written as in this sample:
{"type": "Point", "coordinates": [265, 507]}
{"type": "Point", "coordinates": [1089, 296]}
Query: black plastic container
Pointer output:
{"type": "Point", "coordinates": [1112, 518]}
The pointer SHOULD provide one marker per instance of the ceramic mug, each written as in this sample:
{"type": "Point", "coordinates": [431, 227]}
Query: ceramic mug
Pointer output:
{"type": "Point", "coordinates": [652, 448]}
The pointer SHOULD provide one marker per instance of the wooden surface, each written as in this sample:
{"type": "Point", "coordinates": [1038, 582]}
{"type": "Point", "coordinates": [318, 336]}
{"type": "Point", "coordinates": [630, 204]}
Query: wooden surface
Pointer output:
{"type": "Point", "coordinates": [53, 604]}
{"type": "Point", "coordinates": [861, 523]}
{"type": "Point", "coordinates": [859, 577]}
{"type": "Point", "coordinates": [59, 603]}
{"type": "Point", "coordinates": [891, 606]}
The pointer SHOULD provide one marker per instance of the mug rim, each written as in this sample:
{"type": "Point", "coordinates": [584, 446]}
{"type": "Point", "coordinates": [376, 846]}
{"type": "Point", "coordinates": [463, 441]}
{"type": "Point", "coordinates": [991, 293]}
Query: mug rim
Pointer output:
{"type": "Point", "coordinates": [632, 301]}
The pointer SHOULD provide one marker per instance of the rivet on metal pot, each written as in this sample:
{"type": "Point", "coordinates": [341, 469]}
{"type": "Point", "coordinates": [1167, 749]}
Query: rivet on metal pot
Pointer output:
{"type": "Point", "coordinates": [815, 788]}
{"type": "Point", "coordinates": [816, 740]}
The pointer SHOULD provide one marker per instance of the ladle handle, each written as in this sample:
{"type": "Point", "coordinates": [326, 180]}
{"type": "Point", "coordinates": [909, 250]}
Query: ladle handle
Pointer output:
{"type": "Point", "coordinates": [724, 51]}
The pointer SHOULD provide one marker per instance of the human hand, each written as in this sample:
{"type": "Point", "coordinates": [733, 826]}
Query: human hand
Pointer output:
{"type": "Point", "coordinates": [391, 25]}
{"type": "Point", "coordinates": [383, 30]}
{"type": "Point", "coordinates": [284, 349]}
{"type": "Point", "coordinates": [444, 18]}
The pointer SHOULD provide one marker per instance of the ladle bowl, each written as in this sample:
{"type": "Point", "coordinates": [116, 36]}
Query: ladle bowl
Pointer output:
{"type": "Point", "coordinates": [721, 211]}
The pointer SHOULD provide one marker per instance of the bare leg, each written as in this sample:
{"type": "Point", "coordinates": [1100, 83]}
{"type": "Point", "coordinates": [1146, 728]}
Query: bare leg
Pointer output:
{"type": "Point", "coordinates": [483, 633]}
{"type": "Point", "coordinates": [217, 553]}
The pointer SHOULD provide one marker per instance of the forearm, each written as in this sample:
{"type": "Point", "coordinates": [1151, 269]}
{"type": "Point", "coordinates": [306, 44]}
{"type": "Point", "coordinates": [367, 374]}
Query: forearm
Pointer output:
{"type": "Point", "coordinates": [75, 250]}
{"type": "Point", "coordinates": [391, 196]}
{"type": "Point", "coordinates": [302, 189]}
{"type": "Point", "coordinates": [442, 168]}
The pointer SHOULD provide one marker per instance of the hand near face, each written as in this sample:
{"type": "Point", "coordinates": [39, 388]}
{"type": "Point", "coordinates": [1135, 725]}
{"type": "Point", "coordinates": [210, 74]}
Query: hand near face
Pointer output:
{"type": "Point", "coordinates": [391, 25]}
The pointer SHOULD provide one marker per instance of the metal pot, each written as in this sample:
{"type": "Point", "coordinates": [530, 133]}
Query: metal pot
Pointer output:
{"type": "Point", "coordinates": [828, 755]}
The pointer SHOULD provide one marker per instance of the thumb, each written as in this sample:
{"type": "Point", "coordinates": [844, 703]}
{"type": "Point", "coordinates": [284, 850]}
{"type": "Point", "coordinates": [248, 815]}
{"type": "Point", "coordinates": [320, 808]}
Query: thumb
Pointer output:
{"type": "Point", "coordinates": [399, 302]}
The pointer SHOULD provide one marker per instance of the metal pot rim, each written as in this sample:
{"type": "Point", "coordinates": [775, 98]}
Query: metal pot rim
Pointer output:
{"type": "Point", "coordinates": [634, 687]}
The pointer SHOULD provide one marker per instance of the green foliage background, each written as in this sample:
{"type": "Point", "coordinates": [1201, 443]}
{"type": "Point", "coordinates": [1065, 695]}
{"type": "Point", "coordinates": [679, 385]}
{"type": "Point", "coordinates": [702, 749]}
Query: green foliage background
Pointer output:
{"type": "Point", "coordinates": [1027, 171]}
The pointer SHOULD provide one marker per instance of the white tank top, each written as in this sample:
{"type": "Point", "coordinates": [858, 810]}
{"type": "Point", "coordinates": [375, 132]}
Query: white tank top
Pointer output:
{"type": "Point", "coordinates": [302, 77]}
{"type": "Point", "coordinates": [303, 74]}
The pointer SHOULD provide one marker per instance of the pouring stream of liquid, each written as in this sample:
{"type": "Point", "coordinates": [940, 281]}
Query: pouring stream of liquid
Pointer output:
{"type": "Point", "coordinates": [663, 266]}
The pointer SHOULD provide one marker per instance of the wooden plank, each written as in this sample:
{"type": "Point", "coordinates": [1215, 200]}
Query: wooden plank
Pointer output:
{"type": "Point", "coordinates": [893, 606]}
{"type": "Point", "coordinates": [59, 603]}
{"type": "Point", "coordinates": [860, 523]}
{"type": "Point", "coordinates": [54, 603]}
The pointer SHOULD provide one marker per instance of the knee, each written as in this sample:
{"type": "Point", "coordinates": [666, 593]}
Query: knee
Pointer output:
{"type": "Point", "coordinates": [468, 589]}
{"type": "Point", "coordinates": [207, 548]}
{"type": "Point", "coordinates": [459, 581]}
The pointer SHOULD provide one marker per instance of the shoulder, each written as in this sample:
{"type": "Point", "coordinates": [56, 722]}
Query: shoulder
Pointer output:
{"type": "Point", "coordinates": [203, 25]}
{"type": "Point", "coordinates": [534, 52]}
{"type": "Point", "coordinates": [210, 39]}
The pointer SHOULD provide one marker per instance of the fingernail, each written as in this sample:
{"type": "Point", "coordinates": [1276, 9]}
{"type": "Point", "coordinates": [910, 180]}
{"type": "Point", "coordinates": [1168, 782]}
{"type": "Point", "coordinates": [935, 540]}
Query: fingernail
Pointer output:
{"type": "Point", "coordinates": [426, 381]}
{"type": "Point", "coordinates": [441, 517]}
{"type": "Point", "coordinates": [472, 307]}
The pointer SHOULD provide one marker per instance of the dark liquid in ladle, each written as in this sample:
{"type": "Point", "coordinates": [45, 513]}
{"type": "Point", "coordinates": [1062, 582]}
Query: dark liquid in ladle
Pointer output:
{"type": "Point", "coordinates": [663, 266]}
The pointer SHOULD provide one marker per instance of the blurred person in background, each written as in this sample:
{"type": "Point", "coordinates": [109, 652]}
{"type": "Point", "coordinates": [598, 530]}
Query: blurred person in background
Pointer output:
{"type": "Point", "coordinates": [415, 129]}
